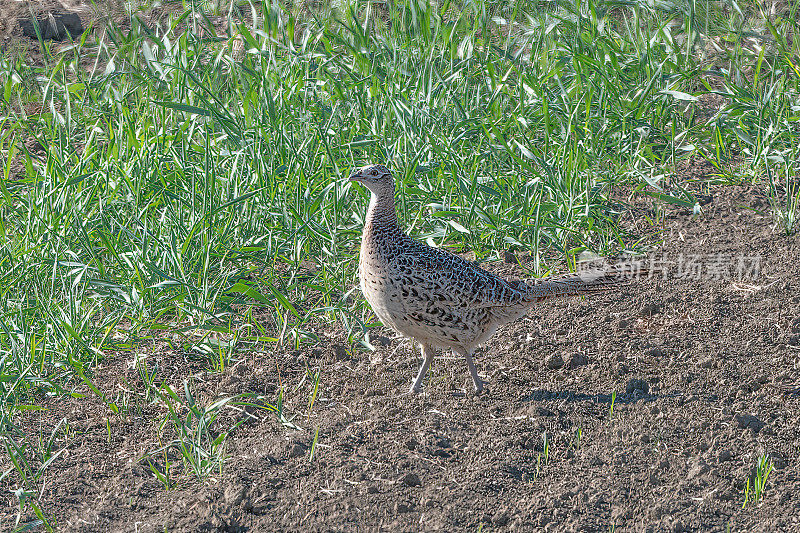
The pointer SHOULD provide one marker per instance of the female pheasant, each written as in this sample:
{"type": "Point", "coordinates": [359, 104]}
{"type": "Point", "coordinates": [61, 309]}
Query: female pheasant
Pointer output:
{"type": "Point", "coordinates": [437, 298]}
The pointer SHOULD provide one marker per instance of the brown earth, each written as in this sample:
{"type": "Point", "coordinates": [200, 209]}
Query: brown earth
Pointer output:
{"type": "Point", "coordinates": [98, 15]}
{"type": "Point", "coordinates": [706, 374]}
{"type": "Point", "coordinates": [703, 372]}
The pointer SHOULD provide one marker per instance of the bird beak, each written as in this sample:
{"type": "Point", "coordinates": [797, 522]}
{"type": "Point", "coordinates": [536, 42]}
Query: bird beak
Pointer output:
{"type": "Point", "coordinates": [355, 175]}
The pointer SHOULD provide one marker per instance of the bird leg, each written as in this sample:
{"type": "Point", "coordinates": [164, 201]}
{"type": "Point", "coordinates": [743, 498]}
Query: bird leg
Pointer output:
{"type": "Point", "coordinates": [427, 355]}
{"type": "Point", "coordinates": [476, 381]}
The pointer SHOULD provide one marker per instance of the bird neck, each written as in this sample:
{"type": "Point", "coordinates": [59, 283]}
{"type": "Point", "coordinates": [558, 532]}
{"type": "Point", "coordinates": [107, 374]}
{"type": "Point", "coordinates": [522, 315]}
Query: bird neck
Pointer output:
{"type": "Point", "coordinates": [381, 213]}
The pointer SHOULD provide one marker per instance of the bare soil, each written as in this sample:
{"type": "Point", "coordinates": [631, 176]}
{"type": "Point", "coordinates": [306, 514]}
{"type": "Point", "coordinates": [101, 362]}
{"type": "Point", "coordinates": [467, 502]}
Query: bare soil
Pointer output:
{"type": "Point", "coordinates": [703, 372]}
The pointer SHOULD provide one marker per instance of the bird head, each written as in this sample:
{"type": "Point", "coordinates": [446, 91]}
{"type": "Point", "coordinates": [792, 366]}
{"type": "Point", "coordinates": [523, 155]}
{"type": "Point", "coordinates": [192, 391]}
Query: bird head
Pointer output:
{"type": "Point", "coordinates": [376, 178]}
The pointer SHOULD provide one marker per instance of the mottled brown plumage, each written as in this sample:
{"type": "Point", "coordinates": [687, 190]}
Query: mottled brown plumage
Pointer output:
{"type": "Point", "coordinates": [440, 299]}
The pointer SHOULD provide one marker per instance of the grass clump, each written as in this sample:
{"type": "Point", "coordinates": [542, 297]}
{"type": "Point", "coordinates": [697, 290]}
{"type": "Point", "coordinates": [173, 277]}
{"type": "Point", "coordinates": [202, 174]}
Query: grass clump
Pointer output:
{"type": "Point", "coordinates": [756, 484]}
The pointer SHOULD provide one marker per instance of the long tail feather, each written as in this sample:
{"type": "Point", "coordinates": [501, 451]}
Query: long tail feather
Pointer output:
{"type": "Point", "coordinates": [584, 282]}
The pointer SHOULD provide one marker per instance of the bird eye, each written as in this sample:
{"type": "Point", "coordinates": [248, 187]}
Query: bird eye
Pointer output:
{"type": "Point", "coordinates": [374, 172]}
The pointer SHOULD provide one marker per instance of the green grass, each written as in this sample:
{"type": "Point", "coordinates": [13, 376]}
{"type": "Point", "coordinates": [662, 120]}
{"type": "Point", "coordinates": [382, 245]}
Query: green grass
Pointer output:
{"type": "Point", "coordinates": [756, 484]}
{"type": "Point", "coordinates": [178, 193]}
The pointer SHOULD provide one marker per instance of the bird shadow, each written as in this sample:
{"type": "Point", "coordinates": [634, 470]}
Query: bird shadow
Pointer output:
{"type": "Point", "coordinates": [790, 390]}
{"type": "Point", "coordinates": [637, 395]}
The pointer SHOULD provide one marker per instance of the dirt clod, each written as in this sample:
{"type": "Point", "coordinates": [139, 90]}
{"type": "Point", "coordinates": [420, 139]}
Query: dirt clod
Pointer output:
{"type": "Point", "coordinates": [653, 351]}
{"type": "Point", "coordinates": [554, 362]}
{"type": "Point", "coordinates": [401, 508]}
{"type": "Point", "coordinates": [53, 26]}
{"type": "Point", "coordinates": [298, 449]}
{"type": "Point", "coordinates": [444, 442]}
{"type": "Point", "coordinates": [410, 480]}
{"type": "Point", "coordinates": [500, 518]}
{"type": "Point", "coordinates": [650, 309]}
{"type": "Point", "coordinates": [340, 352]}
{"type": "Point", "coordinates": [577, 360]}
{"type": "Point", "coordinates": [637, 386]}
{"type": "Point", "coordinates": [724, 455]}
{"type": "Point", "coordinates": [381, 340]}
{"type": "Point", "coordinates": [510, 258]}
{"type": "Point", "coordinates": [747, 421]}
{"type": "Point", "coordinates": [706, 362]}
{"type": "Point", "coordinates": [777, 460]}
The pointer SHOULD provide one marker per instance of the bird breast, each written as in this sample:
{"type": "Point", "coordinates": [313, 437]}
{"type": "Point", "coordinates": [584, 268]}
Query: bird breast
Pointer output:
{"type": "Point", "coordinates": [378, 286]}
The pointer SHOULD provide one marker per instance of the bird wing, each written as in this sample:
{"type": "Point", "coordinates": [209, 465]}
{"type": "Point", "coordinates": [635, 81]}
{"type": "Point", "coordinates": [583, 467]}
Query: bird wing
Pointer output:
{"type": "Point", "coordinates": [447, 280]}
